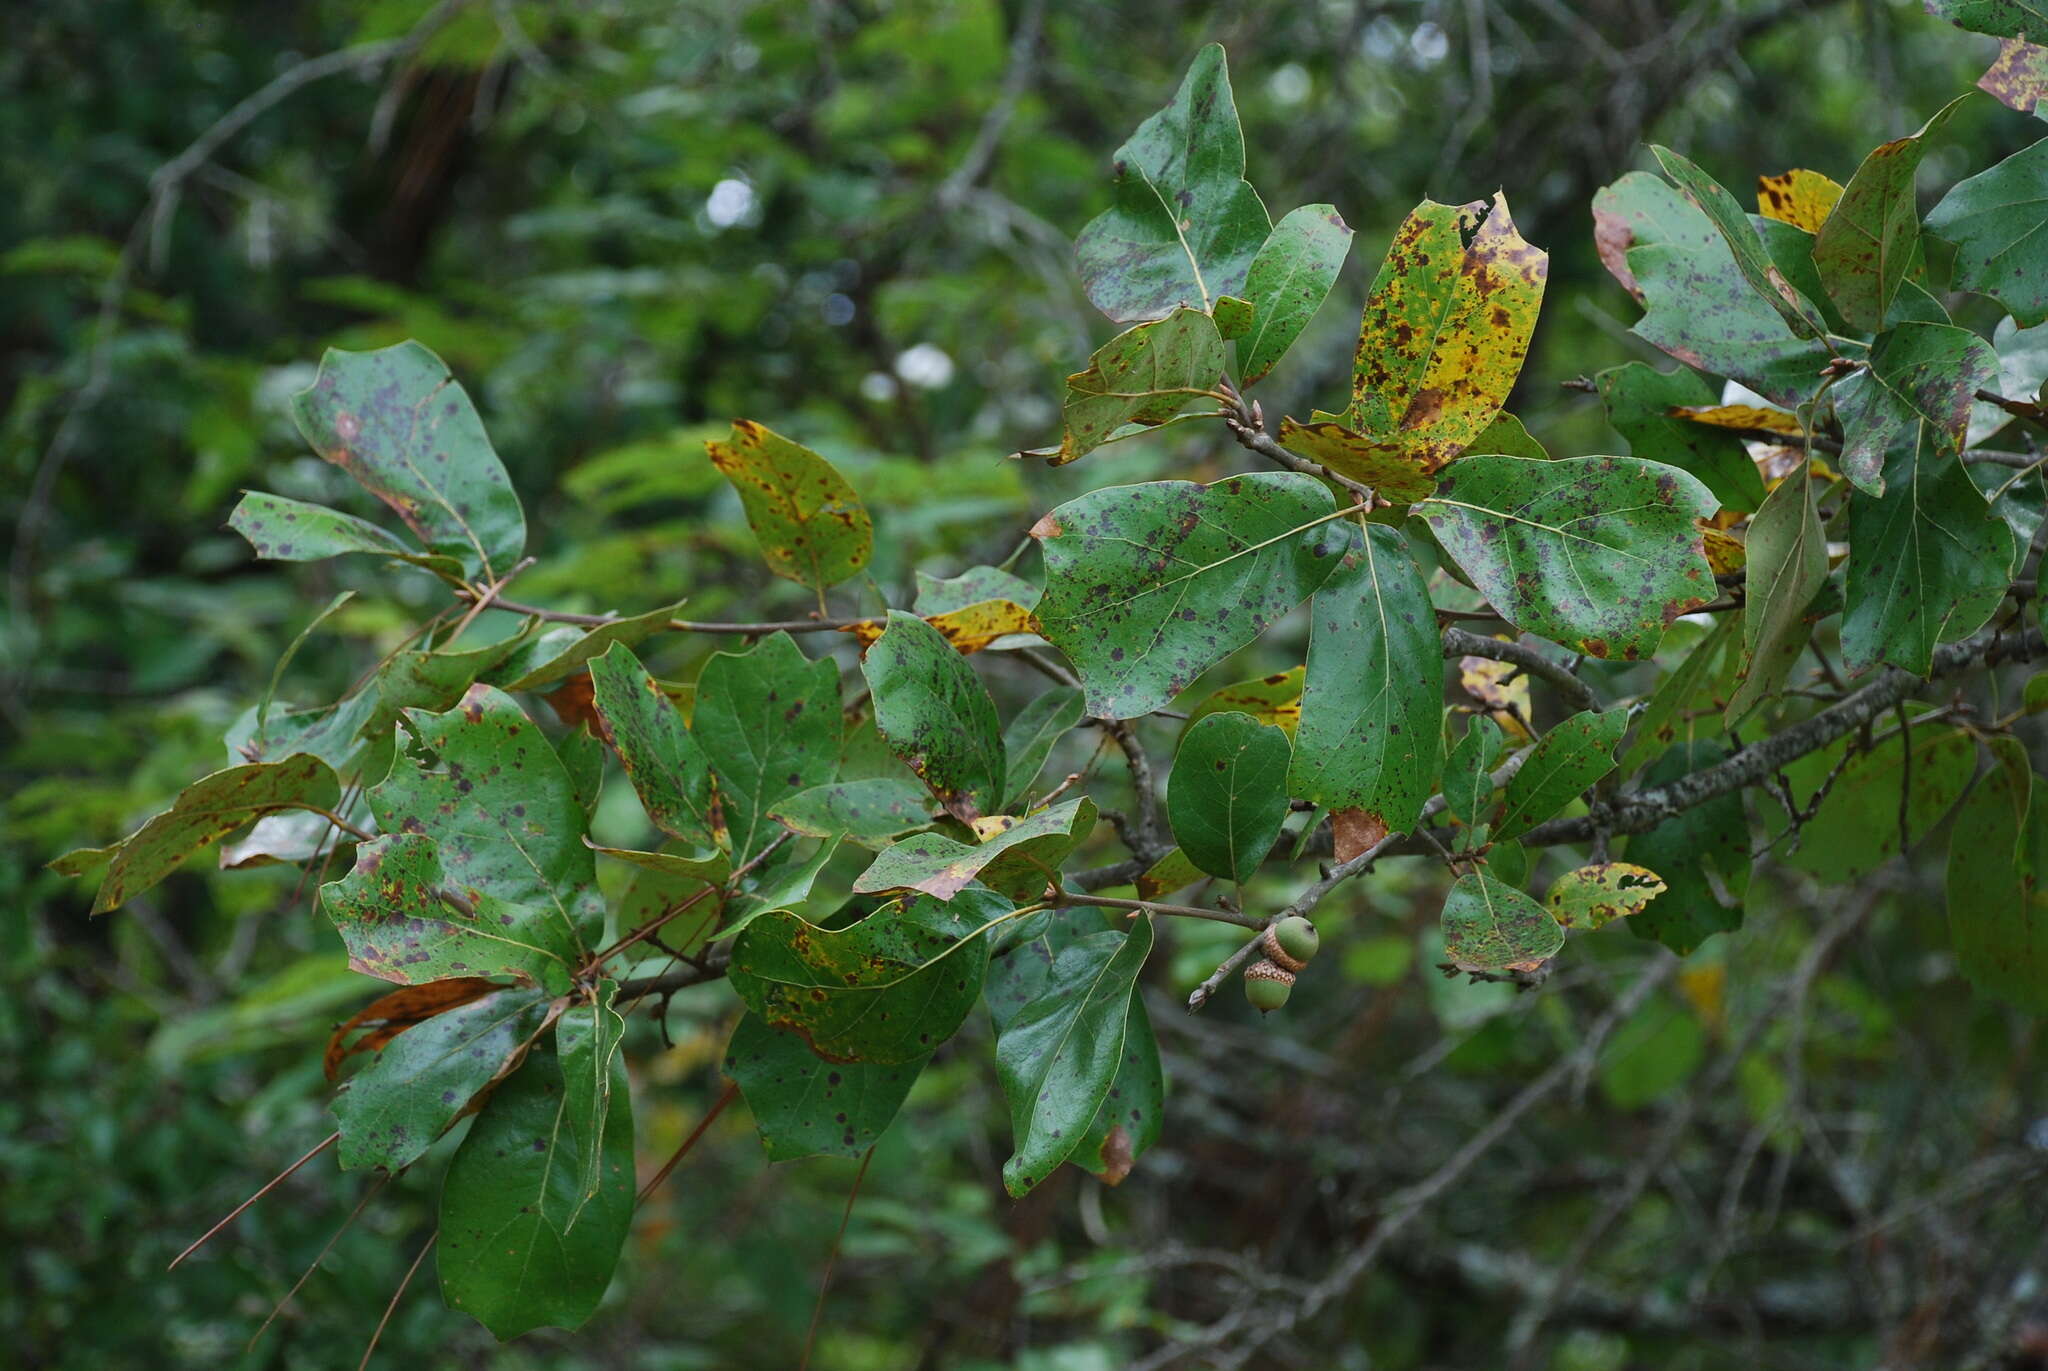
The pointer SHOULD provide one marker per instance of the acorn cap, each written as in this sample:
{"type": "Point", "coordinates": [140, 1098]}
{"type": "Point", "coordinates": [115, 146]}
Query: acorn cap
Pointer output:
{"type": "Point", "coordinates": [1267, 985]}
{"type": "Point", "coordinates": [1293, 942]}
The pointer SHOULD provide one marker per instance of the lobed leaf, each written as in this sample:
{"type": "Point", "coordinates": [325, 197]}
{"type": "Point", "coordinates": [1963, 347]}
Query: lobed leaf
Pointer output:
{"type": "Point", "coordinates": [1598, 553]}
{"type": "Point", "coordinates": [887, 990]}
{"type": "Point", "coordinates": [1998, 222]}
{"type": "Point", "coordinates": [1745, 248]}
{"type": "Point", "coordinates": [1917, 375]}
{"type": "Point", "coordinates": [1148, 586]}
{"type": "Point", "coordinates": [1183, 224]}
{"type": "Point", "coordinates": [398, 421]}
{"type": "Point", "coordinates": [767, 719]}
{"type": "Point", "coordinates": [2019, 78]}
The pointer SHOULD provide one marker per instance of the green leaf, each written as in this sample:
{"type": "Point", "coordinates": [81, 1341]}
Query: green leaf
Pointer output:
{"type": "Point", "coordinates": [1506, 436]}
{"type": "Point", "coordinates": [1928, 563]}
{"type": "Point", "coordinates": [937, 716]}
{"type": "Point", "coordinates": [2000, 18]}
{"type": "Point", "coordinates": [434, 680]}
{"type": "Point", "coordinates": [1233, 315]}
{"type": "Point", "coordinates": [1700, 851]}
{"type": "Point", "coordinates": [431, 1075]}
{"type": "Point", "coordinates": [886, 990]}
{"type": "Point", "coordinates": [1870, 238]}
{"type": "Point", "coordinates": [782, 885]}
{"type": "Point", "coordinates": [1597, 553]}
{"type": "Point", "coordinates": [1440, 345]}
{"type": "Point", "coordinates": [1567, 760]}
{"type": "Point", "coordinates": [1791, 251]}
{"type": "Point", "coordinates": [1787, 565]}
{"type": "Point", "coordinates": [1700, 309]}
{"type": "Point", "coordinates": [1594, 896]}
{"type": "Point", "coordinates": [1287, 284]}
{"type": "Point", "coordinates": [1018, 860]}
{"type": "Point", "coordinates": [1640, 209]}
{"type": "Point", "coordinates": [1744, 246]}
{"type": "Point", "coordinates": [1371, 732]}
{"type": "Point", "coordinates": [1059, 1055]}
{"type": "Point", "coordinates": [1183, 224]}
{"type": "Point", "coordinates": [521, 1246]}
{"type": "Point", "coordinates": [1134, 1111]}
{"type": "Point", "coordinates": [1917, 374]}
{"type": "Point", "coordinates": [768, 721]}
{"type": "Point", "coordinates": [668, 769]}
{"type": "Point", "coordinates": [1491, 926]}
{"type": "Point", "coordinates": [399, 422]}
{"type": "Point", "coordinates": [711, 868]}
{"type": "Point", "coordinates": [581, 754]}
{"type": "Point", "coordinates": [805, 1106]}
{"type": "Point", "coordinates": [1857, 828]}
{"type": "Point", "coordinates": [1998, 222]}
{"type": "Point", "coordinates": [1227, 796]}
{"type": "Point", "coordinates": [587, 1040]}
{"type": "Point", "coordinates": [811, 526]}
{"type": "Point", "coordinates": [562, 651]}
{"type": "Point", "coordinates": [1639, 401]}
{"type": "Point", "coordinates": [282, 530]}
{"type": "Point", "coordinates": [1997, 852]}
{"type": "Point", "coordinates": [396, 917]}
{"type": "Point", "coordinates": [204, 812]}
{"type": "Point", "coordinates": [1145, 375]}
{"type": "Point", "coordinates": [1244, 551]}
{"type": "Point", "coordinates": [1029, 739]}
{"type": "Point", "coordinates": [871, 812]}
{"type": "Point", "coordinates": [481, 783]}
{"type": "Point", "coordinates": [1468, 774]}
{"type": "Point", "coordinates": [976, 585]}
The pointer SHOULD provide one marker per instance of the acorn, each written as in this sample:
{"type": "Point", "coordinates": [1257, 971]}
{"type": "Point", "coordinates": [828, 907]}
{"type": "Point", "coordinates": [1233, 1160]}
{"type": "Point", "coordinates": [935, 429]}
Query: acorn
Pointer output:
{"type": "Point", "coordinates": [1292, 943]}
{"type": "Point", "coordinates": [1267, 986]}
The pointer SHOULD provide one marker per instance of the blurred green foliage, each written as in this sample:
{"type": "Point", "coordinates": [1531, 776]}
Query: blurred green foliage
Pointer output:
{"type": "Point", "coordinates": [623, 225]}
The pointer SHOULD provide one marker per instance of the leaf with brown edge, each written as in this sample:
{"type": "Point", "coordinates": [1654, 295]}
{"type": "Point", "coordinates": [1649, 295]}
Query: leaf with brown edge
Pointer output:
{"type": "Point", "coordinates": [1145, 376]}
{"type": "Point", "coordinates": [1440, 345]}
{"type": "Point", "coordinates": [1593, 896]}
{"type": "Point", "coordinates": [1743, 244]}
{"type": "Point", "coordinates": [669, 771]}
{"type": "Point", "coordinates": [398, 421]}
{"type": "Point", "coordinates": [1489, 926]}
{"type": "Point", "coordinates": [887, 990]}
{"type": "Point", "coordinates": [1173, 872]}
{"type": "Point", "coordinates": [1356, 832]}
{"type": "Point", "coordinates": [2019, 78]}
{"type": "Point", "coordinates": [1797, 197]}
{"type": "Point", "coordinates": [206, 811]}
{"type": "Point", "coordinates": [937, 716]}
{"type": "Point", "coordinates": [812, 527]}
{"type": "Point", "coordinates": [1640, 209]}
{"type": "Point", "coordinates": [390, 1014]}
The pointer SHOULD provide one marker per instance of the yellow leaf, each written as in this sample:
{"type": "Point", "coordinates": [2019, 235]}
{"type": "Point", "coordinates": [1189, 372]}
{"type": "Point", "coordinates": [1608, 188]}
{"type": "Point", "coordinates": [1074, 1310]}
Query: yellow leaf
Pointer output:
{"type": "Point", "coordinates": [1498, 687]}
{"type": "Point", "coordinates": [1274, 699]}
{"type": "Point", "coordinates": [969, 628]}
{"type": "Point", "coordinates": [1798, 197]}
{"type": "Point", "coordinates": [1742, 418]}
{"type": "Point", "coordinates": [992, 825]}
{"type": "Point", "coordinates": [1725, 551]}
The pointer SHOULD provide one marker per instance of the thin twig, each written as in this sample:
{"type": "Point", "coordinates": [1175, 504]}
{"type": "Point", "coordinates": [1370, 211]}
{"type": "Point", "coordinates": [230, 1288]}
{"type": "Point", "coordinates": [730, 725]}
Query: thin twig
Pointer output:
{"type": "Point", "coordinates": [268, 1186]}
